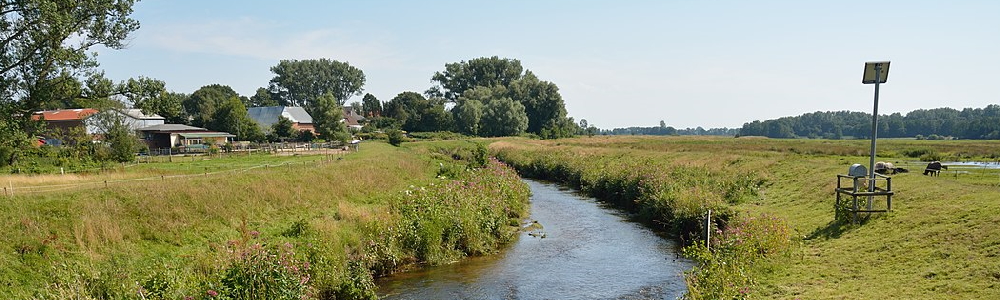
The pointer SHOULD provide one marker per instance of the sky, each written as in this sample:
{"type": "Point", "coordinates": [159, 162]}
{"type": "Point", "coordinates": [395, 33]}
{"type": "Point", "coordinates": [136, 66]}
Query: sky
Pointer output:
{"type": "Point", "coordinates": [616, 63]}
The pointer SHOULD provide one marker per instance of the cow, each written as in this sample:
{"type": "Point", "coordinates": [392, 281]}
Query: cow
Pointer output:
{"type": "Point", "coordinates": [934, 168]}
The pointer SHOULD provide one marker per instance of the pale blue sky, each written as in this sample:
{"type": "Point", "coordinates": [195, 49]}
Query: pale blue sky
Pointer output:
{"type": "Point", "coordinates": [617, 63]}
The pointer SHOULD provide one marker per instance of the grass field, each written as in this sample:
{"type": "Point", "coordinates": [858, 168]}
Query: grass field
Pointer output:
{"type": "Point", "coordinates": [939, 242]}
{"type": "Point", "coordinates": [314, 226]}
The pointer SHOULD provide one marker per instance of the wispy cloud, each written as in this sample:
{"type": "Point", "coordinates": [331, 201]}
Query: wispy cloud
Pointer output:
{"type": "Point", "coordinates": [268, 40]}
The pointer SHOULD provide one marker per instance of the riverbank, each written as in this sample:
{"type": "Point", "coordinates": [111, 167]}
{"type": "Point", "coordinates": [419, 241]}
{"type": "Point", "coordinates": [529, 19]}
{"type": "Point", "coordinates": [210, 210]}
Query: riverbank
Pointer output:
{"type": "Point", "coordinates": [318, 230]}
{"type": "Point", "coordinates": [573, 247]}
{"type": "Point", "coordinates": [777, 237]}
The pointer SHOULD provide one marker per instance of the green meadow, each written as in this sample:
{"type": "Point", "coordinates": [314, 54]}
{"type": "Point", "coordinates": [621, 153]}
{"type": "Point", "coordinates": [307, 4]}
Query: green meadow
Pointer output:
{"type": "Point", "coordinates": [773, 202]}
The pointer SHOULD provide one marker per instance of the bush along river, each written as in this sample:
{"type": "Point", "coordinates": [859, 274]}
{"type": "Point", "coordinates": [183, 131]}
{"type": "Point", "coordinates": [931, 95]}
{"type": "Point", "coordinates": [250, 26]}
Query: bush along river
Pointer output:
{"type": "Point", "coordinates": [572, 247]}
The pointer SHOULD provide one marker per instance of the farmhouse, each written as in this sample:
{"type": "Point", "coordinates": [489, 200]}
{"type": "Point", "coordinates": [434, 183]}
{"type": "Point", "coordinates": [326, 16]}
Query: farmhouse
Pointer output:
{"type": "Point", "coordinates": [268, 115]}
{"type": "Point", "coordinates": [64, 120]}
{"type": "Point", "coordinates": [352, 118]}
{"type": "Point", "coordinates": [182, 136]}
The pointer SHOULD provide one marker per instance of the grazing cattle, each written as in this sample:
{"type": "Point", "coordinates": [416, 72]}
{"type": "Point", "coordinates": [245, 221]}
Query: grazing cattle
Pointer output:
{"type": "Point", "coordinates": [934, 168]}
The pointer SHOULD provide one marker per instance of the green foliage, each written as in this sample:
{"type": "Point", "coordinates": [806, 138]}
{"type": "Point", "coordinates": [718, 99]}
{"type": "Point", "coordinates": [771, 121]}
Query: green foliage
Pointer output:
{"type": "Point", "coordinates": [303, 82]}
{"type": "Point", "coordinates": [260, 272]}
{"type": "Point", "coordinates": [203, 103]}
{"type": "Point", "coordinates": [327, 115]}
{"type": "Point", "coordinates": [503, 117]}
{"type": "Point", "coordinates": [487, 80]}
{"type": "Point", "coordinates": [45, 40]}
{"type": "Point", "coordinates": [371, 106]}
{"type": "Point", "coordinates": [395, 137]}
{"type": "Point", "coordinates": [417, 113]}
{"type": "Point", "coordinates": [486, 71]}
{"type": "Point", "coordinates": [282, 130]}
{"type": "Point", "coordinates": [938, 123]}
{"type": "Point", "coordinates": [232, 117]}
{"type": "Point", "coordinates": [723, 270]}
{"type": "Point", "coordinates": [468, 116]}
{"type": "Point", "coordinates": [261, 98]}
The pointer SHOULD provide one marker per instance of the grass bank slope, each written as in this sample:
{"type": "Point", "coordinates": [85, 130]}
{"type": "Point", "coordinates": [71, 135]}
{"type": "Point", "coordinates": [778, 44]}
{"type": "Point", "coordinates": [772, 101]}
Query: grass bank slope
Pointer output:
{"type": "Point", "coordinates": [319, 230]}
{"type": "Point", "coordinates": [940, 241]}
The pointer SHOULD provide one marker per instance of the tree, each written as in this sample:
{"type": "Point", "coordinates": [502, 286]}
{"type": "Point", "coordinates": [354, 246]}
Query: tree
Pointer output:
{"type": "Point", "coordinates": [45, 44]}
{"type": "Point", "coordinates": [417, 113]}
{"type": "Point", "coordinates": [485, 71]}
{"type": "Point", "coordinates": [282, 130]}
{"type": "Point", "coordinates": [262, 98]}
{"type": "Point", "coordinates": [169, 105]}
{"type": "Point", "coordinates": [328, 119]}
{"type": "Point", "coordinates": [203, 103]}
{"type": "Point", "coordinates": [503, 117]}
{"type": "Point", "coordinates": [116, 134]}
{"type": "Point", "coordinates": [370, 106]}
{"type": "Point", "coordinates": [43, 40]}
{"type": "Point", "coordinates": [232, 117]}
{"type": "Point", "coordinates": [468, 115]}
{"type": "Point", "coordinates": [301, 82]}
{"type": "Point", "coordinates": [541, 101]}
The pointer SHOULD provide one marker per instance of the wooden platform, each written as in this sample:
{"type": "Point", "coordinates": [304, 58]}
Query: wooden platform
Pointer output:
{"type": "Point", "coordinates": [857, 186]}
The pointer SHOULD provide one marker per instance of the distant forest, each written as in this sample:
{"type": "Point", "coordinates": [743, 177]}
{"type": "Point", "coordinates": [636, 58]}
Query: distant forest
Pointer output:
{"type": "Point", "coordinates": [663, 129]}
{"type": "Point", "coordinates": [938, 123]}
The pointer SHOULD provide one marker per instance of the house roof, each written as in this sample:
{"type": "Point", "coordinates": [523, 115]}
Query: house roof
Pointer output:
{"type": "Point", "coordinates": [64, 114]}
{"type": "Point", "coordinates": [171, 128]}
{"type": "Point", "coordinates": [268, 115]}
{"type": "Point", "coordinates": [206, 134]}
{"type": "Point", "coordinates": [138, 115]}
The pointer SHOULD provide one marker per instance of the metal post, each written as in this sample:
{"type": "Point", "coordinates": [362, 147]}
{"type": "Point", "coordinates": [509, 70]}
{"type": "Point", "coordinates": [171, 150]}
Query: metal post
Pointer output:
{"type": "Point", "coordinates": [708, 230]}
{"type": "Point", "coordinates": [871, 163]}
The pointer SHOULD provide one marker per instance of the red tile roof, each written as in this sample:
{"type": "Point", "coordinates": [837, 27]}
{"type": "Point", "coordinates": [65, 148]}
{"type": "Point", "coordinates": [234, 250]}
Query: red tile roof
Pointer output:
{"type": "Point", "coordinates": [64, 114]}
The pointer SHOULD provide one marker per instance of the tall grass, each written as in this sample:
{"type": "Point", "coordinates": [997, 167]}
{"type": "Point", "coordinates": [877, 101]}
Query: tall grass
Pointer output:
{"type": "Point", "coordinates": [299, 231]}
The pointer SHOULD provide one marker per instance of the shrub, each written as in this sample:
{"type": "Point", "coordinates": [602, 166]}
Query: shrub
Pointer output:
{"type": "Point", "coordinates": [395, 137]}
{"type": "Point", "coordinates": [259, 272]}
{"type": "Point", "coordinates": [724, 270]}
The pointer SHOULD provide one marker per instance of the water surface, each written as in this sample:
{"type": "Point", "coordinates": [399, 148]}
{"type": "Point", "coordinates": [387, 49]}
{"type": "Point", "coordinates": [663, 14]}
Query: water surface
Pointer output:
{"type": "Point", "coordinates": [588, 252]}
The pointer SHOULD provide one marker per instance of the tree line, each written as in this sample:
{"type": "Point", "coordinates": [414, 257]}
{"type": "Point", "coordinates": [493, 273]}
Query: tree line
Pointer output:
{"type": "Point", "coordinates": [663, 129]}
{"type": "Point", "coordinates": [968, 123]}
{"type": "Point", "coordinates": [46, 65]}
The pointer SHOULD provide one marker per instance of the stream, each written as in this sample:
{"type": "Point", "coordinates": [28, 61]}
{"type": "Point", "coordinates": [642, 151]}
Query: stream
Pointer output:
{"type": "Point", "coordinates": [582, 250]}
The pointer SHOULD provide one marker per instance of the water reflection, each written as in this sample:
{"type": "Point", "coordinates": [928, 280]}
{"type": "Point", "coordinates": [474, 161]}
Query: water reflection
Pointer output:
{"type": "Point", "coordinates": [588, 252]}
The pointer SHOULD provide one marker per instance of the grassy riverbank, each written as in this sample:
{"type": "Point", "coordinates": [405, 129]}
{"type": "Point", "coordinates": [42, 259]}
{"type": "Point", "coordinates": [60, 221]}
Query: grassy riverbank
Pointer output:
{"type": "Point", "coordinates": [315, 227]}
{"type": "Point", "coordinates": [777, 235]}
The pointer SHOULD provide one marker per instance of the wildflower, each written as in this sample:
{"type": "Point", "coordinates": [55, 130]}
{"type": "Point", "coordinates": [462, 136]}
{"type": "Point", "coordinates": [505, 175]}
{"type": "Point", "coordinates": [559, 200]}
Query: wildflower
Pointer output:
{"type": "Point", "coordinates": [254, 234]}
{"type": "Point", "coordinates": [212, 293]}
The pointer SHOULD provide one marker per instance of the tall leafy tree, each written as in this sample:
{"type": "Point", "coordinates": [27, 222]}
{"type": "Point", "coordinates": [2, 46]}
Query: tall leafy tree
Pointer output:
{"type": "Point", "coordinates": [203, 103]}
{"type": "Point", "coordinates": [301, 82]}
{"type": "Point", "coordinates": [232, 117]}
{"type": "Point", "coordinates": [328, 118]}
{"type": "Point", "coordinates": [465, 75]}
{"type": "Point", "coordinates": [262, 98]}
{"type": "Point", "coordinates": [468, 115]}
{"type": "Point", "coordinates": [45, 43]}
{"type": "Point", "coordinates": [542, 103]}
{"type": "Point", "coordinates": [169, 105]}
{"type": "Point", "coordinates": [504, 117]}
{"type": "Point", "coordinates": [370, 106]}
{"type": "Point", "coordinates": [42, 39]}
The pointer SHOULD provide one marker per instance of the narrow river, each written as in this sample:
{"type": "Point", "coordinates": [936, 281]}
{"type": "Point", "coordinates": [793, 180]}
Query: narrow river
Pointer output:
{"type": "Point", "coordinates": [588, 251]}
